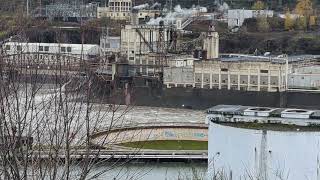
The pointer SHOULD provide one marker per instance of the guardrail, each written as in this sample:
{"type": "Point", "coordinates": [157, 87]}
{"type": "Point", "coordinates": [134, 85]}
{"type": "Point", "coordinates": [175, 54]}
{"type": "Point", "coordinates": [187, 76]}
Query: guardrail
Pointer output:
{"type": "Point", "coordinates": [128, 154]}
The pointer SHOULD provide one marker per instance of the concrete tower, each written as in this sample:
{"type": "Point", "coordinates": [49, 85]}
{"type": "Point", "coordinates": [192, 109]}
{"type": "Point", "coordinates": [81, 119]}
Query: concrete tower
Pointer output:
{"type": "Point", "coordinates": [211, 43]}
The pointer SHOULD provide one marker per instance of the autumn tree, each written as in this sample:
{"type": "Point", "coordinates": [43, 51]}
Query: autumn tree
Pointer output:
{"type": "Point", "coordinates": [304, 9]}
{"type": "Point", "coordinates": [301, 23]}
{"type": "Point", "coordinates": [258, 5]}
{"type": "Point", "coordinates": [289, 22]}
{"type": "Point", "coordinates": [263, 24]}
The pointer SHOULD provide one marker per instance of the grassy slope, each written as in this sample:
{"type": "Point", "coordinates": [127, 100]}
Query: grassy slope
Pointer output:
{"type": "Point", "coordinates": [169, 145]}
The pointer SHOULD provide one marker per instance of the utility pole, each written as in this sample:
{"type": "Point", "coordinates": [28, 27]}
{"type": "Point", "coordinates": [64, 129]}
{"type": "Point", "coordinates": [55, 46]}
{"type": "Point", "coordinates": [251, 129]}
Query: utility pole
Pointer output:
{"type": "Point", "coordinates": [27, 7]}
{"type": "Point", "coordinates": [287, 71]}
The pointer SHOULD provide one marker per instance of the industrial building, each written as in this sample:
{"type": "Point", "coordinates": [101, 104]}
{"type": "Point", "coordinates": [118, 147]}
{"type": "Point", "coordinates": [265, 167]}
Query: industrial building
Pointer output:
{"type": "Point", "coordinates": [70, 12]}
{"type": "Point", "coordinates": [241, 72]}
{"type": "Point", "coordinates": [140, 40]}
{"type": "Point", "coordinates": [248, 74]}
{"type": "Point", "coordinates": [145, 46]}
{"type": "Point", "coordinates": [265, 143]}
{"type": "Point", "coordinates": [116, 9]}
{"type": "Point", "coordinates": [144, 15]}
{"type": "Point", "coordinates": [49, 53]}
{"type": "Point", "coordinates": [305, 77]}
{"type": "Point", "coordinates": [109, 45]}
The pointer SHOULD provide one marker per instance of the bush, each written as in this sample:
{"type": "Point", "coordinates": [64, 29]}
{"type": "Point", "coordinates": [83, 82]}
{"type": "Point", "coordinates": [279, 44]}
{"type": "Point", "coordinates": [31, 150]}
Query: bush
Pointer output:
{"type": "Point", "coordinates": [276, 24]}
{"type": "Point", "coordinates": [250, 24]}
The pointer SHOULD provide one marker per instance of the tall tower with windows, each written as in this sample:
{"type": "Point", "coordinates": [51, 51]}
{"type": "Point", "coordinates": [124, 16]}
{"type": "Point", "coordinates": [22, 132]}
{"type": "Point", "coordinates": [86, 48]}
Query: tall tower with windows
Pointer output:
{"type": "Point", "coordinates": [211, 43]}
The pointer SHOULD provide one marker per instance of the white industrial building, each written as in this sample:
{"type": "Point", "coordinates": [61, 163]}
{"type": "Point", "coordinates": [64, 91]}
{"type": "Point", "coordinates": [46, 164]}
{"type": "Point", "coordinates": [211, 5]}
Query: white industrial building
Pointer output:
{"type": "Point", "coordinates": [138, 41]}
{"type": "Point", "coordinates": [50, 53]}
{"type": "Point", "coordinates": [116, 9]}
{"type": "Point", "coordinates": [263, 143]}
{"type": "Point", "coordinates": [236, 17]}
{"type": "Point", "coordinates": [230, 72]}
{"type": "Point", "coordinates": [248, 73]}
{"type": "Point", "coordinates": [307, 77]}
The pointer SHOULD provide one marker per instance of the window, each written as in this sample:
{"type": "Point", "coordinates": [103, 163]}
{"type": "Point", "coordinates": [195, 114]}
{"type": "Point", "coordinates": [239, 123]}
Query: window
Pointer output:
{"type": "Point", "coordinates": [19, 48]}
{"type": "Point", "coordinates": [7, 47]}
{"type": "Point", "coordinates": [46, 48]}
{"type": "Point", "coordinates": [68, 49]}
{"type": "Point", "coordinates": [63, 49]}
{"type": "Point", "coordinates": [264, 71]}
{"type": "Point", "coordinates": [40, 48]}
{"type": "Point", "coordinates": [224, 69]}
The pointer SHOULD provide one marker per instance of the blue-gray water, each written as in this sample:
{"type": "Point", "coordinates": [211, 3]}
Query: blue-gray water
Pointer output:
{"type": "Point", "coordinates": [153, 171]}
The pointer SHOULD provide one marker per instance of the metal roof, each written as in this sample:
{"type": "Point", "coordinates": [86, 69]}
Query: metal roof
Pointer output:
{"type": "Point", "coordinates": [273, 59]}
{"type": "Point", "coordinates": [272, 112]}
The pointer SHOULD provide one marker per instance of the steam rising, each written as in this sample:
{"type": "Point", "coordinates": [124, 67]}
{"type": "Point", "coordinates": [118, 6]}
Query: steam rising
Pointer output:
{"type": "Point", "coordinates": [178, 12]}
{"type": "Point", "coordinates": [155, 5]}
{"type": "Point", "coordinates": [223, 7]}
{"type": "Point", "coordinates": [141, 6]}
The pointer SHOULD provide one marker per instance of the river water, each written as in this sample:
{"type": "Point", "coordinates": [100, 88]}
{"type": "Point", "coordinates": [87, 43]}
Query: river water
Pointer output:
{"type": "Point", "coordinates": [154, 171]}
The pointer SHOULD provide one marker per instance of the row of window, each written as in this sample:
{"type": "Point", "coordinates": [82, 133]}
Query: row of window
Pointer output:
{"type": "Point", "coordinates": [41, 48]}
{"type": "Point", "coordinates": [117, 14]}
{"type": "Point", "coordinates": [43, 57]}
{"type": "Point", "coordinates": [261, 71]}
{"type": "Point", "coordinates": [62, 49]}
{"type": "Point", "coordinates": [120, 4]}
{"type": "Point", "coordinates": [120, 9]}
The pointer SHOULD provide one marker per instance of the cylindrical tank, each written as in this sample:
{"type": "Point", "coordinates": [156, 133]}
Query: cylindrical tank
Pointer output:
{"type": "Point", "coordinates": [266, 148]}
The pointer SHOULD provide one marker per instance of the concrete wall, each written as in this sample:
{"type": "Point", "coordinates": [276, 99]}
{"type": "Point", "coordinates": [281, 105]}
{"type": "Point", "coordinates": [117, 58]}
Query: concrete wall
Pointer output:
{"type": "Point", "coordinates": [305, 78]}
{"type": "Point", "coordinates": [178, 76]}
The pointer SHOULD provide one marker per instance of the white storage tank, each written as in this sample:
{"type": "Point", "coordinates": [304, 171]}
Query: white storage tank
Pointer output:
{"type": "Point", "coordinates": [268, 145]}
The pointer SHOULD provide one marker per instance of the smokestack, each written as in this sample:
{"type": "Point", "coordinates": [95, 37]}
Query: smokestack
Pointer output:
{"type": "Point", "coordinates": [211, 43]}
{"type": "Point", "coordinates": [134, 17]}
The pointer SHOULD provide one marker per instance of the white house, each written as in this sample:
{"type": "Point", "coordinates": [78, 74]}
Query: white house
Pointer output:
{"type": "Point", "coordinates": [236, 17]}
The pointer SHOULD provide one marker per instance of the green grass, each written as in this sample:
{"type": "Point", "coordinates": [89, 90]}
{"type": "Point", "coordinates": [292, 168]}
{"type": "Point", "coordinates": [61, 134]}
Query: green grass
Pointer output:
{"type": "Point", "coordinates": [169, 145]}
